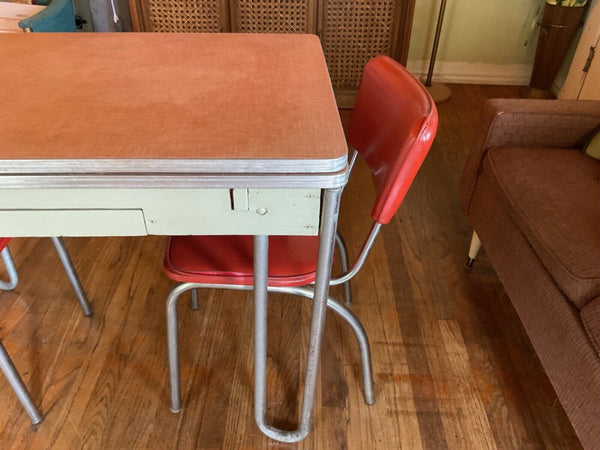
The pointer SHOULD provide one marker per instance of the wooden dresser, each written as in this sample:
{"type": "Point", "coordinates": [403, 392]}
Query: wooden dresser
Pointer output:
{"type": "Point", "coordinates": [351, 31]}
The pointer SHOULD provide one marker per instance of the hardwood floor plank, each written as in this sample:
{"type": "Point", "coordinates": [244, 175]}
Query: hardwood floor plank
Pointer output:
{"type": "Point", "coordinates": [410, 303]}
{"type": "Point", "coordinates": [463, 395]}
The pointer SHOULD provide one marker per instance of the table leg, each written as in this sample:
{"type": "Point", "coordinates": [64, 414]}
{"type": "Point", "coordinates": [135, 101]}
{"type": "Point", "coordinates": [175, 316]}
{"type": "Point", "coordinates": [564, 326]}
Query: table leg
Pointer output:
{"type": "Point", "coordinates": [331, 203]}
{"type": "Point", "coordinates": [13, 377]}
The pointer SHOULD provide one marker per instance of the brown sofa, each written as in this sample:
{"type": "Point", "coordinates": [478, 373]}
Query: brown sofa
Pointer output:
{"type": "Point", "coordinates": [533, 198]}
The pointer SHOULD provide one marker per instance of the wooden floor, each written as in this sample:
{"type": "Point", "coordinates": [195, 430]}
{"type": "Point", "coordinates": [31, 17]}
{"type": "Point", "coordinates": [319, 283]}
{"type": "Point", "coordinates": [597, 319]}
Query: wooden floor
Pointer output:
{"type": "Point", "coordinates": [453, 366]}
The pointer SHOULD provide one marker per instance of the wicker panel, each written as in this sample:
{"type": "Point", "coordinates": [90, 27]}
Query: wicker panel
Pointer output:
{"type": "Point", "coordinates": [184, 15]}
{"type": "Point", "coordinates": [272, 16]}
{"type": "Point", "coordinates": [353, 33]}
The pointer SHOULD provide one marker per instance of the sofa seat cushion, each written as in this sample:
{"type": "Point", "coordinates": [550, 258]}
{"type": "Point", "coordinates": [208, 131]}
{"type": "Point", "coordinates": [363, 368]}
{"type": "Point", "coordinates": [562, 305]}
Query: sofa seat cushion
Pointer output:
{"type": "Point", "coordinates": [590, 316]}
{"type": "Point", "coordinates": [553, 196]}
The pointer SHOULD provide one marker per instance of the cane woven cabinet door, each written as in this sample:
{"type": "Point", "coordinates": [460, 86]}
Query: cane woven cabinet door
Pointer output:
{"type": "Point", "coordinates": [354, 31]}
{"type": "Point", "coordinates": [180, 16]}
{"type": "Point", "coordinates": [273, 16]}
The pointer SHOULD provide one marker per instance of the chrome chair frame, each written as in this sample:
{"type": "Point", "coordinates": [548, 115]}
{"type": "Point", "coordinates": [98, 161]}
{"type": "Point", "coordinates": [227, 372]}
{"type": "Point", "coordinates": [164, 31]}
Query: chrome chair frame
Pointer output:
{"type": "Point", "coordinates": [6, 364]}
{"type": "Point", "coordinates": [11, 270]}
{"type": "Point", "coordinates": [302, 291]}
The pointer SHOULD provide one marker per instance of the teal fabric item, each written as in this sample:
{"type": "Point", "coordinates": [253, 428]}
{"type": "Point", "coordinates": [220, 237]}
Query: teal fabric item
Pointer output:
{"type": "Point", "coordinates": [592, 148]}
{"type": "Point", "coordinates": [58, 16]}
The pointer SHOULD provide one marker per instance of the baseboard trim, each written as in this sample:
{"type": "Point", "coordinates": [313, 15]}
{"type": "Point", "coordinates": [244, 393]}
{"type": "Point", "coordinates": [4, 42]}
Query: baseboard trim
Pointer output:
{"type": "Point", "coordinates": [474, 73]}
{"type": "Point", "coordinates": [556, 88]}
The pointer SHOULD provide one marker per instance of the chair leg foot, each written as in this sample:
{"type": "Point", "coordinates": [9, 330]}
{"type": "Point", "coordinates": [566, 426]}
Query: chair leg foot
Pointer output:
{"type": "Point", "coordinates": [35, 422]}
{"type": "Point", "coordinates": [194, 300]}
{"type": "Point", "coordinates": [473, 250]}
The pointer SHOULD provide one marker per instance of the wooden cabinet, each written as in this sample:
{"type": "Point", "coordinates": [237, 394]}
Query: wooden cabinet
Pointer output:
{"type": "Point", "coordinates": [351, 31]}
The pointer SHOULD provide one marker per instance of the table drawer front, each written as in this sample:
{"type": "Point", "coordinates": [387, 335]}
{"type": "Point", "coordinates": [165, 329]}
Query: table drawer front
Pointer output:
{"type": "Point", "coordinates": [45, 222]}
{"type": "Point", "coordinates": [133, 212]}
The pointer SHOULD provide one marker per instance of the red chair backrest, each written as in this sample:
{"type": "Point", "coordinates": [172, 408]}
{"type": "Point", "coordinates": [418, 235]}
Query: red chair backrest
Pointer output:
{"type": "Point", "coordinates": [392, 127]}
{"type": "Point", "coordinates": [3, 243]}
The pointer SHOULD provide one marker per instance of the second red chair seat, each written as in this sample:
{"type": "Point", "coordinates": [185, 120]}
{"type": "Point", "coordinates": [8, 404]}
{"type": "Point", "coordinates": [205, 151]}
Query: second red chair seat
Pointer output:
{"type": "Point", "coordinates": [229, 259]}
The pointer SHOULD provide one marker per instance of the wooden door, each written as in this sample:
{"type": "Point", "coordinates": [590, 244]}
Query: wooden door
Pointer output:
{"type": "Point", "coordinates": [590, 90]}
{"type": "Point", "coordinates": [583, 80]}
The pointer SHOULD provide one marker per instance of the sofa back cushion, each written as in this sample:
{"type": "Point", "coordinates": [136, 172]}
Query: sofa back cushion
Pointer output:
{"type": "Point", "coordinates": [553, 196]}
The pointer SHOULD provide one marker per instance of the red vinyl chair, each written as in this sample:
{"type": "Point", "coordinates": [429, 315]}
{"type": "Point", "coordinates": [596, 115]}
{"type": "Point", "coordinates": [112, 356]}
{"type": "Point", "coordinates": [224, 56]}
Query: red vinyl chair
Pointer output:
{"type": "Point", "coordinates": [392, 128]}
{"type": "Point", "coordinates": [6, 364]}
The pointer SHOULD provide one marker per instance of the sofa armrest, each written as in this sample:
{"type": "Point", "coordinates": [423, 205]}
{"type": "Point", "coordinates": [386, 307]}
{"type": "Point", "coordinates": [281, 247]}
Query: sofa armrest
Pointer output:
{"type": "Point", "coordinates": [528, 123]}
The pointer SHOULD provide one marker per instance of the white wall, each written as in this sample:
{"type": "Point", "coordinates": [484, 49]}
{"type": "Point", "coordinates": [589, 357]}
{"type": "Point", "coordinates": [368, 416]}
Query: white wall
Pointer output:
{"type": "Point", "coordinates": [482, 41]}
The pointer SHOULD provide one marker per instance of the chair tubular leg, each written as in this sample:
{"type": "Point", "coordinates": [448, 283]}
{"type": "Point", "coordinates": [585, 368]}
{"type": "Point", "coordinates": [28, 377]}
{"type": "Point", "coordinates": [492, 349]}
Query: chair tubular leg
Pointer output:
{"type": "Point", "coordinates": [65, 259]}
{"type": "Point", "coordinates": [363, 345]}
{"type": "Point", "coordinates": [358, 330]}
{"type": "Point", "coordinates": [11, 270]}
{"type": "Point", "coordinates": [194, 300]}
{"type": "Point", "coordinates": [473, 250]}
{"type": "Point", "coordinates": [13, 377]}
{"type": "Point", "coordinates": [341, 310]}
{"type": "Point", "coordinates": [345, 263]}
{"type": "Point", "coordinates": [6, 364]}
{"type": "Point", "coordinates": [173, 344]}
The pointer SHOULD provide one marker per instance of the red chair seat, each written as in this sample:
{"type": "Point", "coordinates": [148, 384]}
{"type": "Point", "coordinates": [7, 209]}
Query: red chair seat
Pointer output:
{"type": "Point", "coordinates": [3, 243]}
{"type": "Point", "coordinates": [229, 259]}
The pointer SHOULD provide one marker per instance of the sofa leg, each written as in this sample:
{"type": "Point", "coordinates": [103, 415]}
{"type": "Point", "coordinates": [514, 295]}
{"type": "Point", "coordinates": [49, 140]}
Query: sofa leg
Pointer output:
{"type": "Point", "coordinates": [473, 250]}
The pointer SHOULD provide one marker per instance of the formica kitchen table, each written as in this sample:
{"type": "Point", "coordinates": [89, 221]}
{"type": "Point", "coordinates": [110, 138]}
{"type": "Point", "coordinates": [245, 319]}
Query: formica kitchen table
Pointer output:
{"type": "Point", "coordinates": [130, 134]}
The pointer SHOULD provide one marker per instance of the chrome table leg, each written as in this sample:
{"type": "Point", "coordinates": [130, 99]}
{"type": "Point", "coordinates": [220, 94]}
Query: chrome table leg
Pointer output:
{"type": "Point", "coordinates": [331, 202]}
{"type": "Point", "coordinates": [173, 344]}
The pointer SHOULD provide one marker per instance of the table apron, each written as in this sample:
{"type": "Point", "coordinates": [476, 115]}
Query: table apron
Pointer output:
{"type": "Point", "coordinates": [160, 211]}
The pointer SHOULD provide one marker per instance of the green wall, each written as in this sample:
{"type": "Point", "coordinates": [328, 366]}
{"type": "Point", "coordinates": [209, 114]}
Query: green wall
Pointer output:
{"type": "Point", "coordinates": [477, 31]}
